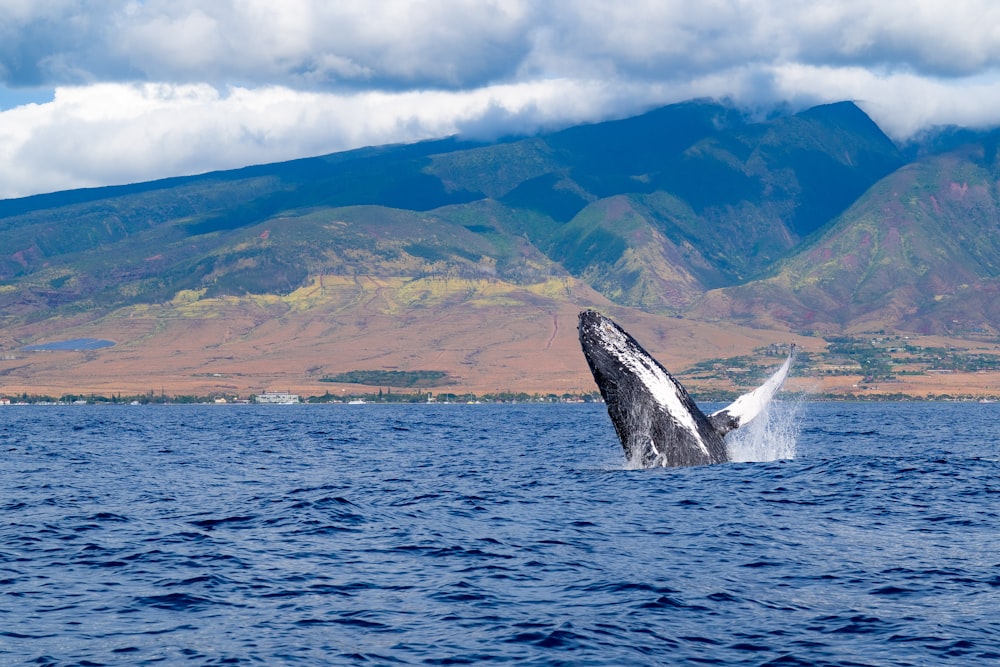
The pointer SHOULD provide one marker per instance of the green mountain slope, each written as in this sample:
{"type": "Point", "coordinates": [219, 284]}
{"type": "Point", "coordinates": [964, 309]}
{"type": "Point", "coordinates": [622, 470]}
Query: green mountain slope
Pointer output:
{"type": "Point", "coordinates": [620, 247]}
{"type": "Point", "coordinates": [919, 251]}
{"type": "Point", "coordinates": [805, 221]}
{"type": "Point", "coordinates": [714, 199]}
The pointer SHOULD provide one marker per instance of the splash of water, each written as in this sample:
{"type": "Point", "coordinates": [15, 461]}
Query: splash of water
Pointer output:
{"type": "Point", "coordinates": [771, 436]}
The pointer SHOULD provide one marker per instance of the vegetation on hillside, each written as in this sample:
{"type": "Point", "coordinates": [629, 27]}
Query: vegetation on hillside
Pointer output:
{"type": "Point", "coordinates": [878, 358]}
{"type": "Point", "coordinates": [710, 199]}
{"type": "Point", "coordinates": [383, 378]}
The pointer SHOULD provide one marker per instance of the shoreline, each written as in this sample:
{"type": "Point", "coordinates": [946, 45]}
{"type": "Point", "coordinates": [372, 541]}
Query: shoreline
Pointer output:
{"type": "Point", "coordinates": [430, 398]}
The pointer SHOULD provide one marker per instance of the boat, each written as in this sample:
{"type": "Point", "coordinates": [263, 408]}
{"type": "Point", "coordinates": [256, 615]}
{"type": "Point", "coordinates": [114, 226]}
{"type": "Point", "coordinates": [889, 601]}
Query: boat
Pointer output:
{"type": "Point", "coordinates": [277, 398]}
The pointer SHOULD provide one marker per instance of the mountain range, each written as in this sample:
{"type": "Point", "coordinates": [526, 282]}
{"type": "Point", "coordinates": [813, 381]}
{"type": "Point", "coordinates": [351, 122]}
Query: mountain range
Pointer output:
{"type": "Point", "coordinates": [709, 232]}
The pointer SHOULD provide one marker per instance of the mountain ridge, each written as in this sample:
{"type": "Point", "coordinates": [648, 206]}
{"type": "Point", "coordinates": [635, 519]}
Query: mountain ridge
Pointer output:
{"type": "Point", "coordinates": [794, 227]}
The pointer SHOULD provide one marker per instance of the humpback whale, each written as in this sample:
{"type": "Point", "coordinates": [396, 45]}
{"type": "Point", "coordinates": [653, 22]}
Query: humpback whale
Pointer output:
{"type": "Point", "coordinates": [656, 420]}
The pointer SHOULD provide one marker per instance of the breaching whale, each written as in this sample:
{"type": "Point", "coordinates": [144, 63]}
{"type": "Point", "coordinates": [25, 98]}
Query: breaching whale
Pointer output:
{"type": "Point", "coordinates": [656, 420]}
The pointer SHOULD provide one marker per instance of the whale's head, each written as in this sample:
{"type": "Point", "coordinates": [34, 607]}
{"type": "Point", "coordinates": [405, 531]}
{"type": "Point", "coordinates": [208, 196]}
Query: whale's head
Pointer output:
{"type": "Point", "coordinates": [602, 340]}
{"type": "Point", "coordinates": [618, 361]}
{"type": "Point", "coordinates": [609, 349]}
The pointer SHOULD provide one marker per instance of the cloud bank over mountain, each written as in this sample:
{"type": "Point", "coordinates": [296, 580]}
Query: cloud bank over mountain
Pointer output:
{"type": "Point", "coordinates": [118, 91]}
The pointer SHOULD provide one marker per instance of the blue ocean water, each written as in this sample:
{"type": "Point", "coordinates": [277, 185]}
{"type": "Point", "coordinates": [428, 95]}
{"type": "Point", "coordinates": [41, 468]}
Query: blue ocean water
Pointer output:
{"type": "Point", "coordinates": [466, 534]}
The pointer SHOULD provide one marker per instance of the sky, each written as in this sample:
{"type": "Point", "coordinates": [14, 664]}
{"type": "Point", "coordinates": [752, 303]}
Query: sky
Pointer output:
{"type": "Point", "coordinates": [100, 92]}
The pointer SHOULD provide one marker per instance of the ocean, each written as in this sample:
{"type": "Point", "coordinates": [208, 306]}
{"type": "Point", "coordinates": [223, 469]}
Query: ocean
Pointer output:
{"type": "Point", "coordinates": [850, 534]}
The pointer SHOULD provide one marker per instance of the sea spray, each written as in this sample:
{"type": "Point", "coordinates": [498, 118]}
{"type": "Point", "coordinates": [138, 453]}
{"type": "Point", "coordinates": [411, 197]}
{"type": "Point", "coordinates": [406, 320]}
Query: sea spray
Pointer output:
{"type": "Point", "coordinates": [771, 436]}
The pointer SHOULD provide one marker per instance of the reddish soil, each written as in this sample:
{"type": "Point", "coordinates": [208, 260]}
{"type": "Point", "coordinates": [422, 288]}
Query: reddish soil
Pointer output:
{"type": "Point", "coordinates": [240, 347]}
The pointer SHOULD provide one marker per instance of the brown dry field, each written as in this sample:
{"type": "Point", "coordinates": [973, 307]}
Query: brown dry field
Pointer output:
{"type": "Point", "coordinates": [516, 340]}
{"type": "Point", "coordinates": [485, 351]}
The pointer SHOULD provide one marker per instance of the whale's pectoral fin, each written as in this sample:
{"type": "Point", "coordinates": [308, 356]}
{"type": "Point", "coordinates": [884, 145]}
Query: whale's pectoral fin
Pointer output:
{"type": "Point", "coordinates": [749, 405]}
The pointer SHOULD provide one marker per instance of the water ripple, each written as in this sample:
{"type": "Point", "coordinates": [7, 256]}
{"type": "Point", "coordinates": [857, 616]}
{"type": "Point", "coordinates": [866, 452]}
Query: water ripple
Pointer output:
{"type": "Point", "coordinates": [469, 534]}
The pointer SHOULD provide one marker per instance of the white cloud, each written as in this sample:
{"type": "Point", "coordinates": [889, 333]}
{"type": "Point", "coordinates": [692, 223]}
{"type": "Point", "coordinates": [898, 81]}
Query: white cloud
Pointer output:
{"type": "Point", "coordinates": [449, 43]}
{"type": "Point", "coordinates": [155, 88]}
{"type": "Point", "coordinates": [471, 43]}
{"type": "Point", "coordinates": [120, 133]}
{"type": "Point", "coordinates": [901, 103]}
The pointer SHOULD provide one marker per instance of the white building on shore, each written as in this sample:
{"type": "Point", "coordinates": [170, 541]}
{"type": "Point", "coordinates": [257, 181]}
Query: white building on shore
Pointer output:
{"type": "Point", "coordinates": [277, 397]}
